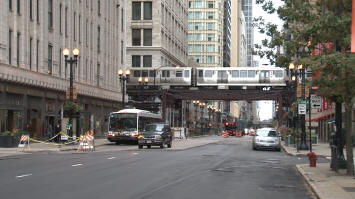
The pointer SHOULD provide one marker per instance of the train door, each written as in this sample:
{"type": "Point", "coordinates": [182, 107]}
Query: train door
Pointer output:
{"type": "Point", "coordinates": [222, 77]}
{"type": "Point", "coordinates": [264, 76]}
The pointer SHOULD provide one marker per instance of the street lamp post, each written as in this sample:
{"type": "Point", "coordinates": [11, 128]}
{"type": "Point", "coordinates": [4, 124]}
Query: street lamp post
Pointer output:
{"type": "Point", "coordinates": [140, 81]}
{"type": "Point", "coordinates": [71, 61]}
{"type": "Point", "coordinates": [187, 113]}
{"type": "Point", "coordinates": [196, 104]}
{"type": "Point", "coordinates": [301, 73]}
{"type": "Point", "coordinates": [202, 105]}
{"type": "Point", "coordinates": [123, 79]}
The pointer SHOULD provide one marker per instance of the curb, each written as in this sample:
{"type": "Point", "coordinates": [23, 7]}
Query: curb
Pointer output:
{"type": "Point", "coordinates": [309, 181]}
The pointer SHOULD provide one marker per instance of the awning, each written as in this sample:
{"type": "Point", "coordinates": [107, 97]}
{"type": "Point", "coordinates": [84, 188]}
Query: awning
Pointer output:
{"type": "Point", "coordinates": [322, 118]}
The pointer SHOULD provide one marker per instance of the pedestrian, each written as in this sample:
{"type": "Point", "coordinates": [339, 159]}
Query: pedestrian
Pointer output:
{"type": "Point", "coordinates": [50, 130]}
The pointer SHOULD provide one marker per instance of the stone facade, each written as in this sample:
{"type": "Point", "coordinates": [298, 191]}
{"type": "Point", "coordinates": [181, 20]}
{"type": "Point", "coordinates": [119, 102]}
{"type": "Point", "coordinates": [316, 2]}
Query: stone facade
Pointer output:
{"type": "Point", "coordinates": [33, 35]}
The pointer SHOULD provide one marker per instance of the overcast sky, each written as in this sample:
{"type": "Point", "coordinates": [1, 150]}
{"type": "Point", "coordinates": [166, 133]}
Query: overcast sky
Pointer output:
{"type": "Point", "coordinates": [265, 111]}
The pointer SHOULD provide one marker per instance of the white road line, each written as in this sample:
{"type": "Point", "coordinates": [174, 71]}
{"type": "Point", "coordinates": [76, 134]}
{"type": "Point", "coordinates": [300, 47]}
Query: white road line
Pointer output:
{"type": "Point", "coordinates": [25, 175]}
{"type": "Point", "coordinates": [135, 153]}
{"type": "Point", "coordinates": [76, 165]}
{"type": "Point", "coordinates": [110, 158]}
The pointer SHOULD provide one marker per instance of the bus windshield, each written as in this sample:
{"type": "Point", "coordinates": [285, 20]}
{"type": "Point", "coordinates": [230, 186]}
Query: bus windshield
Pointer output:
{"type": "Point", "coordinates": [123, 122]}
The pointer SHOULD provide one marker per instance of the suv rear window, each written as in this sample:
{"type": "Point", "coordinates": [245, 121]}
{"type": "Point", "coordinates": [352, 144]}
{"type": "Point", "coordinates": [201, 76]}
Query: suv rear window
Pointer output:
{"type": "Point", "coordinates": [154, 127]}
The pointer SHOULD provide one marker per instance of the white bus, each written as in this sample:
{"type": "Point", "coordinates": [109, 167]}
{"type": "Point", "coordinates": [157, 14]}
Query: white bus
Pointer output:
{"type": "Point", "coordinates": [125, 125]}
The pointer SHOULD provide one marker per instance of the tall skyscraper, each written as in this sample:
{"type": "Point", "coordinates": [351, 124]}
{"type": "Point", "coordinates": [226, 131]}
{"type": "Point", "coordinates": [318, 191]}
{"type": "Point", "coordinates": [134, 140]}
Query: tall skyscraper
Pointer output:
{"type": "Point", "coordinates": [205, 34]}
{"type": "Point", "coordinates": [227, 34]}
{"type": "Point", "coordinates": [247, 6]}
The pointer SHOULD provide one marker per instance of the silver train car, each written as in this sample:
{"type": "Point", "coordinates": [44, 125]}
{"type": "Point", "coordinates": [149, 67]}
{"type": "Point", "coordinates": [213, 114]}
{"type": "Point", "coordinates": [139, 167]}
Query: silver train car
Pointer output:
{"type": "Point", "coordinates": [210, 77]}
{"type": "Point", "coordinates": [241, 76]}
{"type": "Point", "coordinates": [165, 76]}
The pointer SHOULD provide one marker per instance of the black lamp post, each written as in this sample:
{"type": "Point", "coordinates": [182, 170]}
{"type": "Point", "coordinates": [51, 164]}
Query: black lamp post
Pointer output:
{"type": "Point", "coordinates": [143, 84]}
{"type": "Point", "coordinates": [294, 74]}
{"type": "Point", "coordinates": [71, 61]}
{"type": "Point", "coordinates": [187, 102]}
{"type": "Point", "coordinates": [202, 106]}
{"type": "Point", "coordinates": [123, 79]}
{"type": "Point", "coordinates": [196, 104]}
{"type": "Point", "coordinates": [210, 108]}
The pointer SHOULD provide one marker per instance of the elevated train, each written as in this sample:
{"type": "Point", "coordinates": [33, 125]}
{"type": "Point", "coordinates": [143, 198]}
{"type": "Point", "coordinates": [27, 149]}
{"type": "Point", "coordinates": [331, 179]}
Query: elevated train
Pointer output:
{"type": "Point", "coordinates": [211, 76]}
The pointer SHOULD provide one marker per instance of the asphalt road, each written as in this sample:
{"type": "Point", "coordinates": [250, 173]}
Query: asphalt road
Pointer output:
{"type": "Point", "coordinates": [228, 169]}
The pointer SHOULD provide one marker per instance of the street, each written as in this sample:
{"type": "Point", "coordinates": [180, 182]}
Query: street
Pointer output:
{"type": "Point", "coordinates": [225, 169]}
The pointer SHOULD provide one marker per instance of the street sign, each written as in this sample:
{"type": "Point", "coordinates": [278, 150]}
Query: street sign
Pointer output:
{"type": "Point", "coordinates": [302, 109]}
{"type": "Point", "coordinates": [299, 91]}
{"type": "Point", "coordinates": [301, 101]}
{"type": "Point", "coordinates": [316, 102]}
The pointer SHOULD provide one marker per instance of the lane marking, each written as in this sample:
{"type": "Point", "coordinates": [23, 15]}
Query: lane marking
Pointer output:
{"type": "Point", "coordinates": [135, 153]}
{"type": "Point", "coordinates": [25, 175]}
{"type": "Point", "coordinates": [110, 158]}
{"type": "Point", "coordinates": [76, 165]}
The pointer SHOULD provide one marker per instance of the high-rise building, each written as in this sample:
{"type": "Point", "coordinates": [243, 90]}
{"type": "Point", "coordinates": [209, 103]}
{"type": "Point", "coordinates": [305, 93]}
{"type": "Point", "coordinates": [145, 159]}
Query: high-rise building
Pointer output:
{"type": "Point", "coordinates": [227, 34]}
{"type": "Point", "coordinates": [156, 35]}
{"type": "Point", "coordinates": [247, 7]}
{"type": "Point", "coordinates": [205, 34]}
{"type": "Point", "coordinates": [33, 74]}
{"type": "Point", "coordinates": [238, 36]}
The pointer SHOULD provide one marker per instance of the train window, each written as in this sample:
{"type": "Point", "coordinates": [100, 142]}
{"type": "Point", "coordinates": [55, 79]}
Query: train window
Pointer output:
{"type": "Point", "coordinates": [200, 73]}
{"type": "Point", "coordinates": [178, 73]}
{"type": "Point", "coordinates": [166, 73]}
{"type": "Point", "coordinates": [278, 73]}
{"type": "Point", "coordinates": [186, 73]}
{"type": "Point", "coordinates": [235, 73]}
{"type": "Point", "coordinates": [208, 73]}
{"type": "Point", "coordinates": [243, 73]}
{"type": "Point", "coordinates": [222, 74]}
{"type": "Point", "coordinates": [251, 73]}
{"type": "Point", "coordinates": [144, 73]}
{"type": "Point", "coordinates": [151, 73]}
{"type": "Point", "coordinates": [136, 73]}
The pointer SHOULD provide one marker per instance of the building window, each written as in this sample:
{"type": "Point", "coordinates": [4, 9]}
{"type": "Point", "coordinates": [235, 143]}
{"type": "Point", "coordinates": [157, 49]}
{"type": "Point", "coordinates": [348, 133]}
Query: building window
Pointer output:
{"type": "Point", "coordinates": [60, 19]}
{"type": "Point", "coordinates": [122, 19]}
{"type": "Point", "coordinates": [98, 74]}
{"type": "Point", "coordinates": [10, 46]}
{"type": "Point", "coordinates": [136, 37]}
{"type": "Point", "coordinates": [147, 61]}
{"type": "Point", "coordinates": [98, 8]}
{"type": "Point", "coordinates": [147, 10]}
{"type": "Point", "coordinates": [210, 48]}
{"type": "Point", "coordinates": [30, 54]}
{"type": "Point", "coordinates": [210, 4]}
{"type": "Point", "coordinates": [18, 7]}
{"type": "Point", "coordinates": [210, 37]}
{"type": "Point", "coordinates": [122, 46]}
{"type": "Point", "coordinates": [18, 49]}
{"type": "Point", "coordinates": [210, 26]}
{"type": "Point", "coordinates": [10, 5]}
{"type": "Point", "coordinates": [37, 55]}
{"type": "Point", "coordinates": [60, 62]}
{"type": "Point", "coordinates": [79, 26]}
{"type": "Point", "coordinates": [210, 15]}
{"type": "Point", "coordinates": [50, 58]}
{"type": "Point", "coordinates": [136, 61]}
{"type": "Point", "coordinates": [74, 26]}
{"type": "Point", "coordinates": [37, 11]}
{"type": "Point", "coordinates": [136, 10]}
{"type": "Point", "coordinates": [31, 14]}
{"type": "Point", "coordinates": [50, 14]}
{"type": "Point", "coordinates": [66, 22]}
{"type": "Point", "coordinates": [98, 39]}
{"type": "Point", "coordinates": [147, 37]}
{"type": "Point", "coordinates": [86, 33]}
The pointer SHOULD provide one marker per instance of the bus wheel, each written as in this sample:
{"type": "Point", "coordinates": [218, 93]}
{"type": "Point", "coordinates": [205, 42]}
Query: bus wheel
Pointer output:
{"type": "Point", "coordinates": [149, 146]}
{"type": "Point", "coordinates": [140, 146]}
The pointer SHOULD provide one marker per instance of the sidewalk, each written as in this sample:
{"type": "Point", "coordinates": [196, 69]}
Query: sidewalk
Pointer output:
{"type": "Point", "coordinates": [178, 144]}
{"type": "Point", "coordinates": [325, 183]}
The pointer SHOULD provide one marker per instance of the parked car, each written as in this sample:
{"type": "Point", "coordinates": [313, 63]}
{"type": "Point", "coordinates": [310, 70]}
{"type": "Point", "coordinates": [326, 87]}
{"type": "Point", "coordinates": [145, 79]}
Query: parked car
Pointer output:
{"type": "Point", "coordinates": [266, 138]}
{"type": "Point", "coordinates": [155, 134]}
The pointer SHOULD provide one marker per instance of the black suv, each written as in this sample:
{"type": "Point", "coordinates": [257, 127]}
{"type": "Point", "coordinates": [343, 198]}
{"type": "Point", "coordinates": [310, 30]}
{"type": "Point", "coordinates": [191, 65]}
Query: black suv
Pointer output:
{"type": "Point", "coordinates": [155, 134]}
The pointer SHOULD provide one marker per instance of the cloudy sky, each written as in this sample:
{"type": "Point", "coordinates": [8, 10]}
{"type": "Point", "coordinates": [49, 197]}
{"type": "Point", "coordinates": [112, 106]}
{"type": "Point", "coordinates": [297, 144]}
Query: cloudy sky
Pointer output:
{"type": "Point", "coordinates": [265, 111]}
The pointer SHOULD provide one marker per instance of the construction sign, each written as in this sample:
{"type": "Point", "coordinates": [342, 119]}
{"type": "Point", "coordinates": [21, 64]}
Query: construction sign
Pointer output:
{"type": "Point", "coordinates": [25, 139]}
